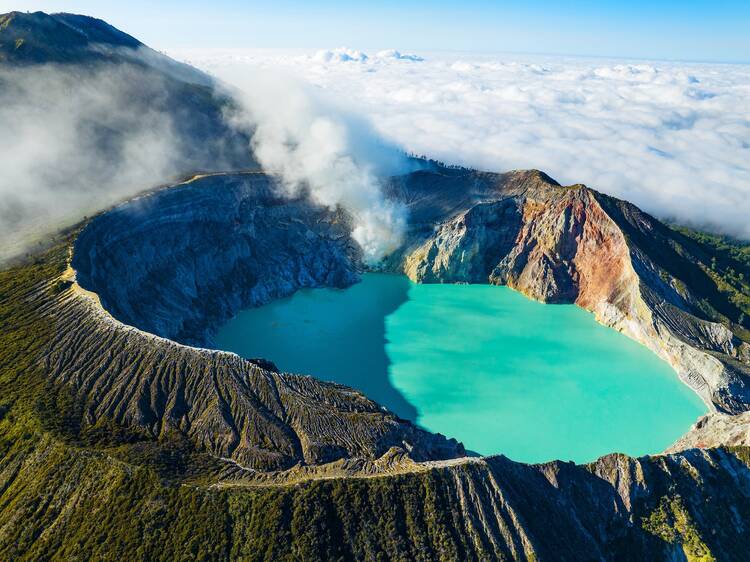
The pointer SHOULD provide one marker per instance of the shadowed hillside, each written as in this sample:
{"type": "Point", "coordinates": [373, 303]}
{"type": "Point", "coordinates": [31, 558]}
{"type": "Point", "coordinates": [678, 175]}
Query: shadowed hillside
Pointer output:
{"type": "Point", "coordinates": [105, 492]}
{"type": "Point", "coordinates": [94, 115]}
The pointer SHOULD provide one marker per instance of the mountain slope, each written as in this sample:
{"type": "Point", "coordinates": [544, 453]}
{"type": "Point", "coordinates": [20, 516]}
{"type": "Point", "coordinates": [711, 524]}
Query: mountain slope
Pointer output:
{"type": "Point", "coordinates": [40, 38]}
{"type": "Point", "coordinates": [172, 281]}
{"type": "Point", "coordinates": [575, 245]}
{"type": "Point", "coordinates": [122, 438]}
{"type": "Point", "coordinates": [115, 116]}
{"type": "Point", "coordinates": [554, 243]}
{"type": "Point", "coordinates": [102, 493]}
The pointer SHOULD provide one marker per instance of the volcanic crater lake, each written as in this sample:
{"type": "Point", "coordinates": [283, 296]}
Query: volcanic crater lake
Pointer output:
{"type": "Point", "coordinates": [483, 364]}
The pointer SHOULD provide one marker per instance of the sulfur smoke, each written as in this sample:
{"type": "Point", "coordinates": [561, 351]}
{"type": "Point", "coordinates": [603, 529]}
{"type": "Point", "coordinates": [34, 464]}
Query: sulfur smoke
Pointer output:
{"type": "Point", "coordinates": [76, 139]}
{"type": "Point", "coordinates": [670, 137]}
{"type": "Point", "coordinates": [316, 145]}
{"type": "Point", "coordinates": [71, 142]}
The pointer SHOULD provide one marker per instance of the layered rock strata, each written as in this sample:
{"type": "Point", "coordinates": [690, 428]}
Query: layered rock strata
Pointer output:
{"type": "Point", "coordinates": [574, 245]}
{"type": "Point", "coordinates": [302, 468]}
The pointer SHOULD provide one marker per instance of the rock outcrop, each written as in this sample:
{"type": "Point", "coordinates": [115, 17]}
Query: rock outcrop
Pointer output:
{"type": "Point", "coordinates": [257, 464]}
{"type": "Point", "coordinates": [123, 437]}
{"type": "Point", "coordinates": [179, 262]}
{"type": "Point", "coordinates": [574, 245]}
{"type": "Point", "coordinates": [660, 508]}
{"type": "Point", "coordinates": [716, 430]}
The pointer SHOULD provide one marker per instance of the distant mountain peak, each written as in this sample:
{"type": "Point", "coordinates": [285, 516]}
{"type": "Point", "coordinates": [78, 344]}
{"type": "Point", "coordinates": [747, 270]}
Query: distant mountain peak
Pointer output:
{"type": "Point", "coordinates": [37, 37]}
{"type": "Point", "coordinates": [98, 31]}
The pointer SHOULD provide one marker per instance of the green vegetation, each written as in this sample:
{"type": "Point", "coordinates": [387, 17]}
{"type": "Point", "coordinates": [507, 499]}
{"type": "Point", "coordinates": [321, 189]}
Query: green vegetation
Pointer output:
{"type": "Point", "coordinates": [672, 523]}
{"type": "Point", "coordinates": [714, 270]}
{"type": "Point", "coordinates": [401, 518]}
{"type": "Point", "coordinates": [103, 493]}
{"type": "Point", "coordinates": [71, 491]}
{"type": "Point", "coordinates": [728, 264]}
{"type": "Point", "coordinates": [65, 494]}
{"type": "Point", "coordinates": [5, 20]}
{"type": "Point", "coordinates": [742, 453]}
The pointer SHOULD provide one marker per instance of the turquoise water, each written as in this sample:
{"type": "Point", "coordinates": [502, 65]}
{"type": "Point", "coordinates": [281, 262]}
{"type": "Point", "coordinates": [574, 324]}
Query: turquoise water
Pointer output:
{"type": "Point", "coordinates": [483, 364]}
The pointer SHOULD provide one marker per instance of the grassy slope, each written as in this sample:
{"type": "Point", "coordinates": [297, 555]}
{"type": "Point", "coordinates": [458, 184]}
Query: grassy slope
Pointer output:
{"type": "Point", "coordinates": [111, 496]}
{"type": "Point", "coordinates": [62, 496]}
{"type": "Point", "coordinates": [108, 495]}
{"type": "Point", "coordinates": [105, 494]}
{"type": "Point", "coordinates": [728, 264]}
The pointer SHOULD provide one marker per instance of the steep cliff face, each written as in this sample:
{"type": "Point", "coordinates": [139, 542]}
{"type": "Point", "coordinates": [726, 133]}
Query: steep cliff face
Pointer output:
{"type": "Point", "coordinates": [573, 245]}
{"type": "Point", "coordinates": [187, 258]}
{"type": "Point", "coordinates": [118, 441]}
{"type": "Point", "coordinates": [494, 509]}
{"type": "Point", "coordinates": [179, 262]}
{"type": "Point", "coordinates": [169, 268]}
{"type": "Point", "coordinates": [232, 408]}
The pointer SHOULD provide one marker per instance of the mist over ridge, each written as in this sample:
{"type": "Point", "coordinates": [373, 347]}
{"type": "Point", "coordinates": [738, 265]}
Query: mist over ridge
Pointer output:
{"type": "Point", "coordinates": [91, 116]}
{"type": "Point", "coordinates": [315, 144]}
{"type": "Point", "coordinates": [335, 122]}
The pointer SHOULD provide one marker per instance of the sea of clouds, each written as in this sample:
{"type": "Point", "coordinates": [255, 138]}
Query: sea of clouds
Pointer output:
{"type": "Point", "coordinates": [673, 138]}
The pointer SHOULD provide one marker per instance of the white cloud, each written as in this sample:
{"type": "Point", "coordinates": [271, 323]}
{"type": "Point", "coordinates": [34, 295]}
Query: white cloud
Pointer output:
{"type": "Point", "coordinates": [396, 55]}
{"type": "Point", "coordinates": [674, 138]}
{"type": "Point", "coordinates": [342, 54]}
{"type": "Point", "coordinates": [74, 141]}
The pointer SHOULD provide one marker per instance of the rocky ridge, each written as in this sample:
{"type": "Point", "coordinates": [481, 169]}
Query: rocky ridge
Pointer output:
{"type": "Point", "coordinates": [123, 437]}
{"type": "Point", "coordinates": [572, 244]}
{"type": "Point", "coordinates": [293, 467]}
{"type": "Point", "coordinates": [184, 260]}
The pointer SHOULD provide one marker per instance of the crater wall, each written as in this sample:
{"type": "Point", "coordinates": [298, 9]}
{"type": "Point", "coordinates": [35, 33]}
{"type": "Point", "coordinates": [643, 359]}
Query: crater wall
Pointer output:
{"type": "Point", "coordinates": [180, 261]}
{"type": "Point", "coordinates": [165, 270]}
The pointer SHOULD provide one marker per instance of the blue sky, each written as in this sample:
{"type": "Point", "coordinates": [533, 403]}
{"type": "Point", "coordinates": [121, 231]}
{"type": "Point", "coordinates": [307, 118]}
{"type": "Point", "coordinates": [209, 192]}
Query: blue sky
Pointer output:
{"type": "Point", "coordinates": [686, 30]}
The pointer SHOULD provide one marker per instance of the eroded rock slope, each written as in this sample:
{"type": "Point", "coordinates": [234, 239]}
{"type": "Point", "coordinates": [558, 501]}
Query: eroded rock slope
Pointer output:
{"type": "Point", "coordinates": [181, 261]}
{"type": "Point", "coordinates": [168, 268]}
{"type": "Point", "coordinates": [572, 244]}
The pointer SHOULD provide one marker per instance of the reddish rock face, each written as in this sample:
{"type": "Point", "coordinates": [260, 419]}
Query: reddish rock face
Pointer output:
{"type": "Point", "coordinates": [552, 243]}
{"type": "Point", "coordinates": [571, 244]}
{"type": "Point", "coordinates": [568, 250]}
{"type": "Point", "coordinates": [555, 244]}
{"type": "Point", "coordinates": [603, 261]}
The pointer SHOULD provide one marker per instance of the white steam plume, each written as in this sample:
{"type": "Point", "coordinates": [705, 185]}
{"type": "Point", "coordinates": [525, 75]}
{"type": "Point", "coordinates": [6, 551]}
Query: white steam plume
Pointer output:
{"type": "Point", "coordinates": [315, 145]}
{"type": "Point", "coordinates": [671, 137]}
